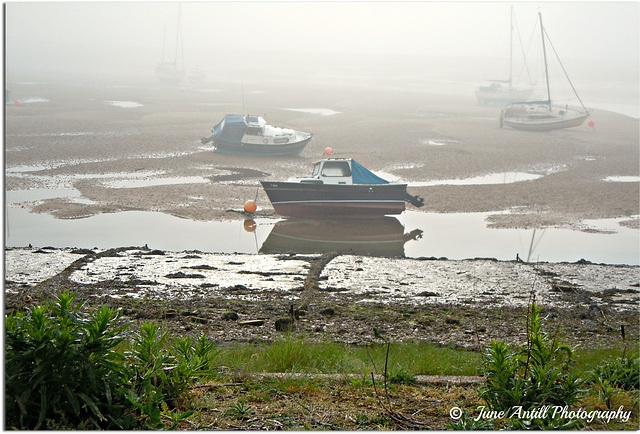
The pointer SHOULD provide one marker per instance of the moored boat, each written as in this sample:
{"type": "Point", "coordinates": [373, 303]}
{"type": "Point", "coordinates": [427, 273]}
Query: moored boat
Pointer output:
{"type": "Point", "coordinates": [543, 115]}
{"type": "Point", "coordinates": [503, 92]}
{"type": "Point", "coordinates": [338, 188]}
{"type": "Point", "coordinates": [167, 71]}
{"type": "Point", "coordinates": [252, 136]}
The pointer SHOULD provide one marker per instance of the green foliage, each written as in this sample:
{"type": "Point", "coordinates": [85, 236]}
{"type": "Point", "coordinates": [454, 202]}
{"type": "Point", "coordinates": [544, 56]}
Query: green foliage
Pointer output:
{"type": "Point", "coordinates": [401, 376]}
{"type": "Point", "coordinates": [542, 373]}
{"type": "Point", "coordinates": [241, 409]}
{"type": "Point", "coordinates": [65, 369]}
{"type": "Point", "coordinates": [614, 374]}
{"type": "Point", "coordinates": [620, 372]}
{"type": "Point", "coordinates": [62, 364]}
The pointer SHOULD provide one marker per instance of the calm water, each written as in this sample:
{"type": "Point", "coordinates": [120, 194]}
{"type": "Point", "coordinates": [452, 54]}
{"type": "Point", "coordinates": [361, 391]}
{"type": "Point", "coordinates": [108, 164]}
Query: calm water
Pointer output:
{"type": "Point", "coordinates": [412, 234]}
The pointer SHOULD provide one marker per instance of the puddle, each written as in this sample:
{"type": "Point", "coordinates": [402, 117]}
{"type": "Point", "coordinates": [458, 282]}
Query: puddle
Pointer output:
{"type": "Point", "coordinates": [124, 104]}
{"type": "Point", "coordinates": [413, 235]}
{"type": "Point", "coordinates": [466, 235]}
{"type": "Point", "coordinates": [132, 228]}
{"type": "Point", "coordinates": [119, 133]}
{"type": "Point", "coordinates": [438, 142]}
{"type": "Point", "coordinates": [21, 169]}
{"type": "Point", "coordinates": [622, 179]}
{"type": "Point", "coordinates": [139, 183]}
{"type": "Point", "coordinates": [492, 178]}
{"type": "Point", "coordinates": [316, 111]}
{"type": "Point", "coordinates": [37, 194]}
{"type": "Point", "coordinates": [31, 100]}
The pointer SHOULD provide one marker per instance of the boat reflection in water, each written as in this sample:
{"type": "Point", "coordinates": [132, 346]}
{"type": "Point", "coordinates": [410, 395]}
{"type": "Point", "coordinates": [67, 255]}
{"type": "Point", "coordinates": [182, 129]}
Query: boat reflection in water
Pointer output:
{"type": "Point", "coordinates": [380, 237]}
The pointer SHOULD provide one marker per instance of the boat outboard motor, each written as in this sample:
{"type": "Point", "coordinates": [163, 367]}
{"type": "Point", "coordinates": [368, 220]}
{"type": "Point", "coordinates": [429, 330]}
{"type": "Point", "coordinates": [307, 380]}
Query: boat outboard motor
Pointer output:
{"type": "Point", "coordinates": [416, 201]}
{"type": "Point", "coordinates": [206, 140]}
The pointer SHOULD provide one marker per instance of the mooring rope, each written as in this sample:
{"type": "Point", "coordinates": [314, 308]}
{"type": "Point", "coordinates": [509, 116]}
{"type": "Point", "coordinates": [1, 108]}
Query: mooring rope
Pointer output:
{"type": "Point", "coordinates": [257, 192]}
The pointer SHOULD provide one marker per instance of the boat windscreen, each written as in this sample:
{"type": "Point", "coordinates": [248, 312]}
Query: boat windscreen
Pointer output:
{"type": "Point", "coordinates": [362, 175]}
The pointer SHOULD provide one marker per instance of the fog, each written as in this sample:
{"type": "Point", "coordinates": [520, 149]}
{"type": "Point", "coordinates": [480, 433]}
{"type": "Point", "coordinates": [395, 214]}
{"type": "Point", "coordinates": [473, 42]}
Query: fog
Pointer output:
{"type": "Point", "coordinates": [246, 39]}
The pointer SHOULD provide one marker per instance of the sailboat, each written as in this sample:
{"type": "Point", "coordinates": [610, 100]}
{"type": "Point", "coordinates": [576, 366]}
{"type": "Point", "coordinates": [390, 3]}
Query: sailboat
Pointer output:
{"type": "Point", "coordinates": [169, 72]}
{"type": "Point", "coordinates": [502, 92]}
{"type": "Point", "coordinates": [543, 115]}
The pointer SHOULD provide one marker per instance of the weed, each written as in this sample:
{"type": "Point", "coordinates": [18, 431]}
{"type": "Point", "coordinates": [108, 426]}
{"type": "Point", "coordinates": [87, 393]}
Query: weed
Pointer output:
{"type": "Point", "coordinates": [539, 374]}
{"type": "Point", "coordinates": [401, 376]}
{"type": "Point", "coordinates": [241, 409]}
{"type": "Point", "coordinates": [66, 369]}
{"type": "Point", "coordinates": [623, 373]}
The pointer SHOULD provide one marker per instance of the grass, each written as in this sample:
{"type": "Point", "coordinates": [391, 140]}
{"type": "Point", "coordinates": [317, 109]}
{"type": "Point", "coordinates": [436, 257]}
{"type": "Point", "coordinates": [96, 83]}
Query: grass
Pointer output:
{"type": "Point", "coordinates": [298, 355]}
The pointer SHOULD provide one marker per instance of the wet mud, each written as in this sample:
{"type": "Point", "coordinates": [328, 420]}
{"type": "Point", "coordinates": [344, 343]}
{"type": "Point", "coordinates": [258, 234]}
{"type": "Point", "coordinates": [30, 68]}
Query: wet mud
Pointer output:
{"type": "Point", "coordinates": [240, 298]}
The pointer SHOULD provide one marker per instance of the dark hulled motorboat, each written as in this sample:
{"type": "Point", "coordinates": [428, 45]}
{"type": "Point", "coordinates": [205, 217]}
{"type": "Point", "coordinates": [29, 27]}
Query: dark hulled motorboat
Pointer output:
{"type": "Point", "coordinates": [338, 188]}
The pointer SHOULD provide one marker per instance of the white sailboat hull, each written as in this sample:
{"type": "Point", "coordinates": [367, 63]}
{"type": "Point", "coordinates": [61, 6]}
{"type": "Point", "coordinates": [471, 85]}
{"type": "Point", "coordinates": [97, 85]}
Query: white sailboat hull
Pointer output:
{"type": "Point", "coordinates": [541, 117]}
{"type": "Point", "coordinates": [169, 73]}
{"type": "Point", "coordinates": [501, 95]}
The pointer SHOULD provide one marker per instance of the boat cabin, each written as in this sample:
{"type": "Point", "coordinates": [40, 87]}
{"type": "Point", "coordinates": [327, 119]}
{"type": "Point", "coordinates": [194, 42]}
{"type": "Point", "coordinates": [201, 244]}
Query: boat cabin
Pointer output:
{"type": "Point", "coordinates": [255, 125]}
{"type": "Point", "coordinates": [340, 171]}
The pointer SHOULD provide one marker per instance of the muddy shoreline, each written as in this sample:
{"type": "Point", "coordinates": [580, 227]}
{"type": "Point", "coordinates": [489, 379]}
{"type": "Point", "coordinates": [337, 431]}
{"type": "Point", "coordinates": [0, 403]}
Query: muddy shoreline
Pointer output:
{"type": "Point", "coordinates": [239, 298]}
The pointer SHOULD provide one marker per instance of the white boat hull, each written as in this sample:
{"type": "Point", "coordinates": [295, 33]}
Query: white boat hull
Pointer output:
{"type": "Point", "coordinates": [541, 117]}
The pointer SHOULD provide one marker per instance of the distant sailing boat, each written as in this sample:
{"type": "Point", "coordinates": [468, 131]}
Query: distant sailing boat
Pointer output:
{"type": "Point", "coordinates": [502, 92]}
{"type": "Point", "coordinates": [169, 72]}
{"type": "Point", "coordinates": [542, 115]}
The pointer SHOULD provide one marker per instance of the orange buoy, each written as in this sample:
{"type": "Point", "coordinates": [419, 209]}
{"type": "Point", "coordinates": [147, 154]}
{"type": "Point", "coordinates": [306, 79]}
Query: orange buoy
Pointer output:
{"type": "Point", "coordinates": [250, 206]}
{"type": "Point", "coordinates": [249, 225]}
{"type": "Point", "coordinates": [328, 151]}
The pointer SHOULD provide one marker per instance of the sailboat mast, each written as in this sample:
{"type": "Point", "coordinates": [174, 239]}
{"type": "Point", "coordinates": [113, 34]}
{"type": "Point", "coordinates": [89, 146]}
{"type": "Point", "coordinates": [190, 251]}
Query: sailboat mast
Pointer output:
{"type": "Point", "coordinates": [544, 54]}
{"type": "Point", "coordinates": [181, 38]}
{"type": "Point", "coordinates": [511, 49]}
{"type": "Point", "coordinates": [164, 41]}
{"type": "Point", "coordinates": [175, 60]}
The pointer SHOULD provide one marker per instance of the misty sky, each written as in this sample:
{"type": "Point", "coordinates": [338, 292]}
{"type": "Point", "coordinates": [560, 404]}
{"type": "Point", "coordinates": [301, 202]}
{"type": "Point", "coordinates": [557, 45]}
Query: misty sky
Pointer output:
{"type": "Point", "coordinates": [112, 35]}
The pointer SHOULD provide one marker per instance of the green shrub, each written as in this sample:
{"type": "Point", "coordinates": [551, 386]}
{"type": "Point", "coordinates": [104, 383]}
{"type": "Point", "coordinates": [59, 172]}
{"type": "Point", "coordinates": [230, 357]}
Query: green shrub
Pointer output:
{"type": "Point", "coordinates": [62, 364]}
{"type": "Point", "coordinates": [66, 369]}
{"type": "Point", "coordinates": [541, 373]}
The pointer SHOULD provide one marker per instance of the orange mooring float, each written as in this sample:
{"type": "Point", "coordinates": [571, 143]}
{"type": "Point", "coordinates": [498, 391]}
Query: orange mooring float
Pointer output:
{"type": "Point", "coordinates": [250, 206]}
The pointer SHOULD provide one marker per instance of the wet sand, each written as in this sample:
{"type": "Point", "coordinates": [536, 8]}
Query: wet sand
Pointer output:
{"type": "Point", "coordinates": [338, 298]}
{"type": "Point", "coordinates": [80, 134]}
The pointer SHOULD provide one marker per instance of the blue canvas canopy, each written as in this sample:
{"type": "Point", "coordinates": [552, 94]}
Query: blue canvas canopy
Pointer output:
{"type": "Point", "coordinates": [362, 175]}
{"type": "Point", "coordinates": [231, 129]}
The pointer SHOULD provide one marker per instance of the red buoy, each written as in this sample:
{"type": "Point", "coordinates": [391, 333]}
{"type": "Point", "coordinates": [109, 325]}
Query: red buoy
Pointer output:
{"type": "Point", "coordinates": [250, 206]}
{"type": "Point", "coordinates": [18, 103]}
{"type": "Point", "coordinates": [328, 151]}
{"type": "Point", "coordinates": [591, 124]}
